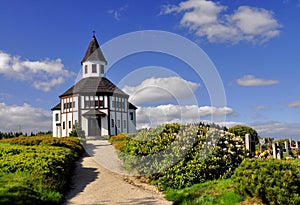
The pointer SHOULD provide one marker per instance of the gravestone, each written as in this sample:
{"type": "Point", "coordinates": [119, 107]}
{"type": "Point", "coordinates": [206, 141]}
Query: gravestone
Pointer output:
{"type": "Point", "coordinates": [277, 151]}
{"type": "Point", "coordinates": [298, 148]}
{"type": "Point", "coordinates": [287, 149]}
{"type": "Point", "coordinates": [280, 152]}
{"type": "Point", "coordinates": [297, 144]}
{"type": "Point", "coordinates": [274, 150]}
{"type": "Point", "coordinates": [250, 144]}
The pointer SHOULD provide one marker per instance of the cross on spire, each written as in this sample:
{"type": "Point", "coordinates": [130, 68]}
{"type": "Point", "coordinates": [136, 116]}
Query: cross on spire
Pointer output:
{"type": "Point", "coordinates": [94, 33]}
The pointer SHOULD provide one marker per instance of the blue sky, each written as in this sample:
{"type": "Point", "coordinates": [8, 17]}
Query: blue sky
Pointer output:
{"type": "Point", "coordinates": [252, 43]}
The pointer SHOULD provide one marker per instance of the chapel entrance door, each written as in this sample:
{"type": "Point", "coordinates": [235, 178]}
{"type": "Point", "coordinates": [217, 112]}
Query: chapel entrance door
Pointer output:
{"type": "Point", "coordinates": [94, 126]}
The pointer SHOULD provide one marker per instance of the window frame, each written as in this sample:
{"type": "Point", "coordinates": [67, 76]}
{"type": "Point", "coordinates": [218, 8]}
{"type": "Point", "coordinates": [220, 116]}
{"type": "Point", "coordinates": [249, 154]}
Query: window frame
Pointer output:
{"type": "Point", "coordinates": [94, 68]}
{"type": "Point", "coordinates": [56, 117]}
{"type": "Point", "coordinates": [102, 69]}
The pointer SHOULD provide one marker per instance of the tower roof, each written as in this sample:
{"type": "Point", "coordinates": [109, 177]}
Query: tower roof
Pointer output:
{"type": "Point", "coordinates": [94, 52]}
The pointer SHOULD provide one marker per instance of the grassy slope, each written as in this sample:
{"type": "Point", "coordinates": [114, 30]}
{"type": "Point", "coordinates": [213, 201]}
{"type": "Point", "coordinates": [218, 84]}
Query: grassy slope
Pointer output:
{"type": "Point", "coordinates": [210, 192]}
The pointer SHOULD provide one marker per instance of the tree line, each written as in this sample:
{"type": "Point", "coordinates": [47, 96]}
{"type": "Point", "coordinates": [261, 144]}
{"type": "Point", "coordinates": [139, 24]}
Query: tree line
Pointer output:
{"type": "Point", "coordinates": [6, 135]}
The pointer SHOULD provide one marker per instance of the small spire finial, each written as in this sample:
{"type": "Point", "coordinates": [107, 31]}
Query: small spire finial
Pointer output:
{"type": "Point", "coordinates": [94, 33]}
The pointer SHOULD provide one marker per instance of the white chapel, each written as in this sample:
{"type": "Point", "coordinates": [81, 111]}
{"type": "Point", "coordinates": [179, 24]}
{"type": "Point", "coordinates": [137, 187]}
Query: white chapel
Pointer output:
{"type": "Point", "coordinates": [94, 102]}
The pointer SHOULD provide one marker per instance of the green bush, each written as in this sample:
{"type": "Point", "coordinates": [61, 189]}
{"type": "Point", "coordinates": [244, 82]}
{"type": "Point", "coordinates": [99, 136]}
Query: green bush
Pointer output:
{"type": "Point", "coordinates": [67, 142]}
{"type": "Point", "coordinates": [36, 170]}
{"type": "Point", "coordinates": [178, 156]}
{"type": "Point", "coordinates": [274, 181]}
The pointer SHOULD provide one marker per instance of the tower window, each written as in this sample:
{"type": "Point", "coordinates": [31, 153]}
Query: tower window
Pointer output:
{"type": "Point", "coordinates": [64, 125]}
{"type": "Point", "coordinates": [102, 69]}
{"type": "Point", "coordinates": [94, 68]}
{"type": "Point", "coordinates": [85, 69]}
{"type": "Point", "coordinates": [56, 117]}
{"type": "Point", "coordinates": [70, 124]}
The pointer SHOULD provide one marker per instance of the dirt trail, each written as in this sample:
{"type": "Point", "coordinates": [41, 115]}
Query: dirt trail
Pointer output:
{"type": "Point", "coordinates": [94, 184]}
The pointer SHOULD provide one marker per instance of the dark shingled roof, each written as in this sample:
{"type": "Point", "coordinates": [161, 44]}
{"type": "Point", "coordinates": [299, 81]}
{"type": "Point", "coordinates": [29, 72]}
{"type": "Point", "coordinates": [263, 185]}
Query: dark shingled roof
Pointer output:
{"type": "Point", "coordinates": [131, 106]}
{"type": "Point", "coordinates": [56, 107]}
{"type": "Point", "coordinates": [94, 85]}
{"type": "Point", "coordinates": [94, 52]}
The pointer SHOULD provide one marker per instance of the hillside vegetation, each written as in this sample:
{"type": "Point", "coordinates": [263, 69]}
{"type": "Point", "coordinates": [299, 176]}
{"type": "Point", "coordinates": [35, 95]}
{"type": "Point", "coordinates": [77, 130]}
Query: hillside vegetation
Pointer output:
{"type": "Point", "coordinates": [202, 164]}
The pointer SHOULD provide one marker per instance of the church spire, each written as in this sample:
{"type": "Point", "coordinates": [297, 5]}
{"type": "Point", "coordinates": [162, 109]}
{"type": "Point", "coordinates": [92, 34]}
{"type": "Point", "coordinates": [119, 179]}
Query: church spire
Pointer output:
{"type": "Point", "coordinates": [94, 52]}
{"type": "Point", "coordinates": [93, 62]}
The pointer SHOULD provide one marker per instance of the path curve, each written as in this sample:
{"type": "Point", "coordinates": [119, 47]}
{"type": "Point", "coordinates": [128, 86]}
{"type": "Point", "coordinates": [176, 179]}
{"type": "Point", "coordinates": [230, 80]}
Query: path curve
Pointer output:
{"type": "Point", "coordinates": [94, 184]}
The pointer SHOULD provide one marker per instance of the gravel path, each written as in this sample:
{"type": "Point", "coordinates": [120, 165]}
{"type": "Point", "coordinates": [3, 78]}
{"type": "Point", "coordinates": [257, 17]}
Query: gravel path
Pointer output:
{"type": "Point", "coordinates": [99, 180]}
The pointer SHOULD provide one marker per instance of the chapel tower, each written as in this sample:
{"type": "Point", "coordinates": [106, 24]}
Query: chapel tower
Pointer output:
{"type": "Point", "coordinates": [93, 62]}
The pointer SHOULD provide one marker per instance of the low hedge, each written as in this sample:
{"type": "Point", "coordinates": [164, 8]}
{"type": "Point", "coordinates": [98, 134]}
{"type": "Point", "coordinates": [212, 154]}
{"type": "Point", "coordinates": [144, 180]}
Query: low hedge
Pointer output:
{"type": "Point", "coordinates": [67, 142]}
{"type": "Point", "coordinates": [274, 181]}
{"type": "Point", "coordinates": [36, 170]}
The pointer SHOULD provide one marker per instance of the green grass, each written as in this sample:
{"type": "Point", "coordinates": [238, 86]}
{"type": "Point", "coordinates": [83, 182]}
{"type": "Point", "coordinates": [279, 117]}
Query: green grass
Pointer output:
{"type": "Point", "coordinates": [26, 188]}
{"type": "Point", "coordinates": [208, 193]}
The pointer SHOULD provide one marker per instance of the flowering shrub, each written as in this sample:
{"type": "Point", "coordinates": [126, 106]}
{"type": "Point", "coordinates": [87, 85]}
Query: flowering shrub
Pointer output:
{"type": "Point", "coordinates": [178, 156]}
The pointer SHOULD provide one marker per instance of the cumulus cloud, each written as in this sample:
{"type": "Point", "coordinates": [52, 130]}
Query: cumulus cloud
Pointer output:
{"type": "Point", "coordinates": [294, 104]}
{"type": "Point", "coordinates": [153, 116]}
{"type": "Point", "coordinates": [160, 90]}
{"type": "Point", "coordinates": [208, 19]}
{"type": "Point", "coordinates": [43, 75]}
{"type": "Point", "coordinates": [250, 80]}
{"type": "Point", "coordinates": [25, 118]}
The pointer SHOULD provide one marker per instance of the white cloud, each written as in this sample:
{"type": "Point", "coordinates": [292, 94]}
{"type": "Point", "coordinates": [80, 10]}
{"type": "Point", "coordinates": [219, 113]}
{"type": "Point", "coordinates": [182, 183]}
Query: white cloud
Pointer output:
{"type": "Point", "coordinates": [259, 107]}
{"type": "Point", "coordinates": [25, 118]}
{"type": "Point", "coordinates": [256, 22]}
{"type": "Point", "coordinates": [46, 86]}
{"type": "Point", "coordinates": [294, 104]}
{"type": "Point", "coordinates": [160, 90]}
{"type": "Point", "coordinates": [208, 19]}
{"type": "Point", "coordinates": [272, 129]}
{"type": "Point", "coordinates": [43, 75]}
{"type": "Point", "coordinates": [250, 80]}
{"type": "Point", "coordinates": [117, 12]}
{"type": "Point", "coordinates": [153, 116]}
{"type": "Point", "coordinates": [278, 129]}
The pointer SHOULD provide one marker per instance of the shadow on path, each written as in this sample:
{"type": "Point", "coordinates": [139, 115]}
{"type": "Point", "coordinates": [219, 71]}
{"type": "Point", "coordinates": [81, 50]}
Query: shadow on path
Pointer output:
{"type": "Point", "coordinates": [82, 176]}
